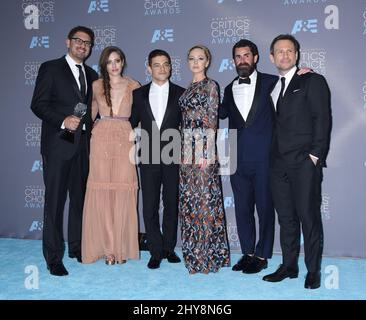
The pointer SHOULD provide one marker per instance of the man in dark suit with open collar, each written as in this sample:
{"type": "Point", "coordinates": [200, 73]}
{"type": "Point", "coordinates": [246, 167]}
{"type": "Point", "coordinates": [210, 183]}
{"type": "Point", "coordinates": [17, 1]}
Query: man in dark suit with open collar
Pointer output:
{"type": "Point", "coordinates": [155, 107]}
{"type": "Point", "coordinates": [62, 84]}
{"type": "Point", "coordinates": [300, 145]}
{"type": "Point", "coordinates": [247, 104]}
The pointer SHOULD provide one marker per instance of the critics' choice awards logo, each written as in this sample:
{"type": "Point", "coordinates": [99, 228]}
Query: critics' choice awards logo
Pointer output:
{"type": "Point", "coordinates": [40, 42]}
{"type": "Point", "coordinates": [32, 135]}
{"type": "Point", "coordinates": [31, 72]}
{"type": "Point", "coordinates": [364, 22]}
{"type": "Point", "coordinates": [34, 197]}
{"type": "Point", "coordinates": [161, 7]}
{"type": "Point", "coordinates": [302, 2]}
{"type": "Point", "coordinates": [104, 36]}
{"type": "Point", "coordinates": [312, 25]}
{"type": "Point", "coordinates": [325, 207]}
{"type": "Point", "coordinates": [98, 6]}
{"type": "Point", "coordinates": [36, 12]}
{"type": "Point", "coordinates": [176, 73]}
{"type": "Point", "coordinates": [314, 59]}
{"type": "Point", "coordinates": [227, 30]}
{"type": "Point", "coordinates": [364, 95]}
{"type": "Point", "coordinates": [232, 232]}
{"type": "Point", "coordinates": [163, 35]}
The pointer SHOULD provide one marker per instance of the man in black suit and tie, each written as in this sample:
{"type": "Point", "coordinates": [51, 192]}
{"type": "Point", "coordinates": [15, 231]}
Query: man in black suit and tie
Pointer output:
{"type": "Point", "coordinates": [299, 149]}
{"type": "Point", "coordinates": [62, 84]}
{"type": "Point", "coordinates": [155, 107]}
{"type": "Point", "coordinates": [247, 104]}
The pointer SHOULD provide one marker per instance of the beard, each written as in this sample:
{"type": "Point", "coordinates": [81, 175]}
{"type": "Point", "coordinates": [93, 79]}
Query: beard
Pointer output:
{"type": "Point", "coordinates": [244, 70]}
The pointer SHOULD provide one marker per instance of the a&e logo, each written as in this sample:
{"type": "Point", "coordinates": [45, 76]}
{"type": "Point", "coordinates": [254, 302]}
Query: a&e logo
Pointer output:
{"type": "Point", "coordinates": [98, 5]}
{"type": "Point", "coordinates": [42, 41]}
{"type": "Point", "coordinates": [163, 34]}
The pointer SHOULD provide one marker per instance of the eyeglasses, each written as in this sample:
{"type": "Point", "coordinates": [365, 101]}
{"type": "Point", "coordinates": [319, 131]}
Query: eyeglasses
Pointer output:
{"type": "Point", "coordinates": [81, 41]}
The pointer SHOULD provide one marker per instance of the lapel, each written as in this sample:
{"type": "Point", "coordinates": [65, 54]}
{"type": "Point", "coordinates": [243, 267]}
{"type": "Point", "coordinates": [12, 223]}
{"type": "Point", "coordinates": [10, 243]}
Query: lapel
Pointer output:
{"type": "Point", "coordinates": [71, 78]}
{"type": "Point", "coordinates": [89, 82]}
{"type": "Point", "coordinates": [271, 99]}
{"type": "Point", "coordinates": [255, 103]}
{"type": "Point", "coordinates": [169, 106]}
{"type": "Point", "coordinates": [293, 85]}
{"type": "Point", "coordinates": [146, 100]}
{"type": "Point", "coordinates": [236, 111]}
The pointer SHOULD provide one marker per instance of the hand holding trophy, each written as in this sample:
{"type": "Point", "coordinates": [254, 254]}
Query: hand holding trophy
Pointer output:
{"type": "Point", "coordinates": [79, 112]}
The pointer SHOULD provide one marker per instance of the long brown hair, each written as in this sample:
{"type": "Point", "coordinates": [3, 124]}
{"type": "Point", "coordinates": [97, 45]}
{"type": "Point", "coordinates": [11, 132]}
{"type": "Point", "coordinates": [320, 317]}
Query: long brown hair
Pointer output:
{"type": "Point", "coordinates": [103, 60]}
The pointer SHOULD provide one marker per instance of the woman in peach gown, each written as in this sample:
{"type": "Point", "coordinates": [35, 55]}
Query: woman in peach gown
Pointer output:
{"type": "Point", "coordinates": [110, 224]}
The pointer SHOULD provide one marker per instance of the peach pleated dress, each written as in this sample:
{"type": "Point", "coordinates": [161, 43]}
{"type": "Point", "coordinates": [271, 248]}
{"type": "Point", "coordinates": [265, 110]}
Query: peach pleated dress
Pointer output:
{"type": "Point", "coordinates": [110, 222]}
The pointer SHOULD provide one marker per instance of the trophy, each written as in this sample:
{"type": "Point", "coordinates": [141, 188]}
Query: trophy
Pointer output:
{"type": "Point", "coordinates": [79, 111]}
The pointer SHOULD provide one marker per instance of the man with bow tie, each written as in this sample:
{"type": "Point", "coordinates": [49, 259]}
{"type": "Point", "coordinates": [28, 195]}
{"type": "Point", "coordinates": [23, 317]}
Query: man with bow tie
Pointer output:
{"type": "Point", "coordinates": [248, 106]}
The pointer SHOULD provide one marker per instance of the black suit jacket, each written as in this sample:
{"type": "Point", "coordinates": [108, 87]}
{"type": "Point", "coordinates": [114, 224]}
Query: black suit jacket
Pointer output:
{"type": "Point", "coordinates": [141, 113]}
{"type": "Point", "coordinates": [55, 95]}
{"type": "Point", "coordinates": [303, 125]}
{"type": "Point", "coordinates": [254, 134]}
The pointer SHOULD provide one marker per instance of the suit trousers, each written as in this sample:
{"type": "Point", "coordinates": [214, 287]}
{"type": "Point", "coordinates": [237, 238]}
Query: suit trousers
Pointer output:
{"type": "Point", "coordinates": [152, 178]}
{"type": "Point", "coordinates": [62, 176]}
{"type": "Point", "coordinates": [251, 187]}
{"type": "Point", "coordinates": [296, 190]}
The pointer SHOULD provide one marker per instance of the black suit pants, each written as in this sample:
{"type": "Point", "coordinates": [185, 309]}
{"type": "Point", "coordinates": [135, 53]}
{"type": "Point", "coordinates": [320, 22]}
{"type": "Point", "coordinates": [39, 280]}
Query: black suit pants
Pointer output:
{"type": "Point", "coordinates": [62, 176]}
{"type": "Point", "coordinates": [297, 198]}
{"type": "Point", "coordinates": [152, 178]}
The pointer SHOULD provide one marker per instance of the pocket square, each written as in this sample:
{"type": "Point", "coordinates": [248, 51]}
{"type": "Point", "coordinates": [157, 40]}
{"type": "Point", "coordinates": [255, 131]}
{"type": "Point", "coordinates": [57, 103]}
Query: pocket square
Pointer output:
{"type": "Point", "coordinates": [296, 90]}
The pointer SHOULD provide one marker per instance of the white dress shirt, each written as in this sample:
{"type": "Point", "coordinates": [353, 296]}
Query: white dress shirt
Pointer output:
{"type": "Point", "coordinates": [75, 71]}
{"type": "Point", "coordinates": [277, 89]}
{"type": "Point", "coordinates": [158, 98]}
{"type": "Point", "coordinates": [244, 94]}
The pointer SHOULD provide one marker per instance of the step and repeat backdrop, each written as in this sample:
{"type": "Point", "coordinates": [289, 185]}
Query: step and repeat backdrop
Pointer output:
{"type": "Point", "coordinates": [332, 35]}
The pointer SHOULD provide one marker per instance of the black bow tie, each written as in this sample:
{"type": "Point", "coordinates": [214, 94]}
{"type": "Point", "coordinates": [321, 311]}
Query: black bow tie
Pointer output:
{"type": "Point", "coordinates": [245, 80]}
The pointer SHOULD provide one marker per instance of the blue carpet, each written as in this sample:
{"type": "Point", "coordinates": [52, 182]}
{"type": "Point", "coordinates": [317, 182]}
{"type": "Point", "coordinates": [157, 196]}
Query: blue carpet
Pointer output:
{"type": "Point", "coordinates": [134, 281]}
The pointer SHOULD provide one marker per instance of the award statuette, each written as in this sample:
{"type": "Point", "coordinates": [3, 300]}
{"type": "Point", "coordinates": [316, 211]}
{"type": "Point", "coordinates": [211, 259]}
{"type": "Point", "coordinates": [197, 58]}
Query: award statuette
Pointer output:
{"type": "Point", "coordinates": [79, 111]}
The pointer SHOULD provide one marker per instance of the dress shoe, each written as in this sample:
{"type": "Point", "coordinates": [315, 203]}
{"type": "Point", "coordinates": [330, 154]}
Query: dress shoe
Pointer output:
{"type": "Point", "coordinates": [76, 255]}
{"type": "Point", "coordinates": [110, 260]}
{"type": "Point", "coordinates": [256, 265]}
{"type": "Point", "coordinates": [312, 280]}
{"type": "Point", "coordinates": [154, 263]}
{"type": "Point", "coordinates": [57, 269]}
{"type": "Point", "coordinates": [172, 257]}
{"type": "Point", "coordinates": [242, 263]}
{"type": "Point", "coordinates": [281, 273]}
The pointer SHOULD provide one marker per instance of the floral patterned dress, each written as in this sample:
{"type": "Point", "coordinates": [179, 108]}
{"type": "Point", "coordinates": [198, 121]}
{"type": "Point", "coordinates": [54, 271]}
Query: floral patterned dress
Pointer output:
{"type": "Point", "coordinates": [203, 225]}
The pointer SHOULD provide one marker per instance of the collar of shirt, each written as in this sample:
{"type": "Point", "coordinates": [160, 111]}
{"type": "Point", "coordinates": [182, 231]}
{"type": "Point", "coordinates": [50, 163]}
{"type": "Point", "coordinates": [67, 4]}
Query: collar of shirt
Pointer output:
{"type": "Point", "coordinates": [75, 71]}
{"type": "Point", "coordinates": [253, 80]}
{"type": "Point", "coordinates": [164, 88]}
{"type": "Point", "coordinates": [288, 77]}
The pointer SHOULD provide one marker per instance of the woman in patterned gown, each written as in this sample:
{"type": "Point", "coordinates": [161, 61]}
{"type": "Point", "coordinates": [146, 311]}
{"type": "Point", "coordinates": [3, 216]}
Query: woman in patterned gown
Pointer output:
{"type": "Point", "coordinates": [204, 237]}
{"type": "Point", "coordinates": [110, 225]}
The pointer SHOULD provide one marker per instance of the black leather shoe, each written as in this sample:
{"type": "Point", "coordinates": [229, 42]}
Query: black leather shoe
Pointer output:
{"type": "Point", "coordinates": [312, 280]}
{"type": "Point", "coordinates": [242, 263]}
{"type": "Point", "coordinates": [154, 263]}
{"type": "Point", "coordinates": [281, 273]}
{"type": "Point", "coordinates": [75, 255]}
{"type": "Point", "coordinates": [256, 265]}
{"type": "Point", "coordinates": [57, 269]}
{"type": "Point", "coordinates": [171, 257]}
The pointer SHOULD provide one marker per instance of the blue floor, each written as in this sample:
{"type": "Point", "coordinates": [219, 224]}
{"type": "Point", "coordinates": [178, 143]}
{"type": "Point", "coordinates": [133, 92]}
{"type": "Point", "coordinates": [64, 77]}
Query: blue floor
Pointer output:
{"type": "Point", "coordinates": [20, 260]}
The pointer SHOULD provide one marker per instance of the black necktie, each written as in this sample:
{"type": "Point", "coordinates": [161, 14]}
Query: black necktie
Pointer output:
{"type": "Point", "coordinates": [280, 97]}
{"type": "Point", "coordinates": [244, 80]}
{"type": "Point", "coordinates": [82, 81]}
